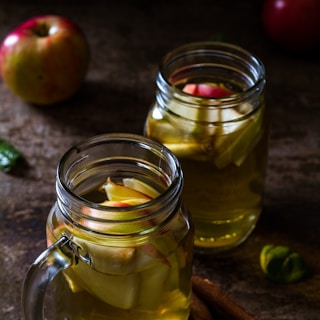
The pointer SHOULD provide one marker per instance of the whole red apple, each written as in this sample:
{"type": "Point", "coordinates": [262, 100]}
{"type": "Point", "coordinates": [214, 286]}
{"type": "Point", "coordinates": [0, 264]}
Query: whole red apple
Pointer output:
{"type": "Point", "coordinates": [45, 59]}
{"type": "Point", "coordinates": [294, 24]}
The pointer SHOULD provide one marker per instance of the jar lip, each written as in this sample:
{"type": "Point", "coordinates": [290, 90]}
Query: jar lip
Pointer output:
{"type": "Point", "coordinates": [225, 48]}
{"type": "Point", "coordinates": [82, 202]}
{"type": "Point", "coordinates": [218, 102]}
{"type": "Point", "coordinates": [127, 221]}
{"type": "Point", "coordinates": [209, 46]}
{"type": "Point", "coordinates": [77, 201]}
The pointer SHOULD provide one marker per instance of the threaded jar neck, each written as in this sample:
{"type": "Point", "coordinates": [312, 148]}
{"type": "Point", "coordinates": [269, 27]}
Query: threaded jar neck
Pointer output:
{"type": "Point", "coordinates": [87, 166]}
{"type": "Point", "coordinates": [209, 62]}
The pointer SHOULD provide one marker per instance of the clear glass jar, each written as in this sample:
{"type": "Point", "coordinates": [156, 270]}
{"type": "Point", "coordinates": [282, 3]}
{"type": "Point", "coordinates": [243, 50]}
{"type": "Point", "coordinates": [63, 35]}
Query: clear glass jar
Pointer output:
{"type": "Point", "coordinates": [210, 112]}
{"type": "Point", "coordinates": [128, 256]}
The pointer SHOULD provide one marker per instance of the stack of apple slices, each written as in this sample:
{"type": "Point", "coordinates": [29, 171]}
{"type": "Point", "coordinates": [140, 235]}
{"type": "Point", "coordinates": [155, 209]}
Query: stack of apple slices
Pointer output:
{"type": "Point", "coordinates": [234, 146]}
{"type": "Point", "coordinates": [132, 192]}
{"type": "Point", "coordinates": [130, 274]}
{"type": "Point", "coordinates": [233, 140]}
{"type": "Point", "coordinates": [228, 139]}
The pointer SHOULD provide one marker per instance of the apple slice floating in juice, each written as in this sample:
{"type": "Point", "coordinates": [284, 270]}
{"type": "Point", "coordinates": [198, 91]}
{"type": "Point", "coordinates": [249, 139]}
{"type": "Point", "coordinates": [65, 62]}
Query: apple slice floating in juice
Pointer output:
{"type": "Point", "coordinates": [156, 249]}
{"type": "Point", "coordinates": [129, 269]}
{"type": "Point", "coordinates": [201, 113]}
{"type": "Point", "coordinates": [122, 196]}
{"type": "Point", "coordinates": [140, 186]}
{"type": "Point", "coordinates": [232, 141]}
{"type": "Point", "coordinates": [152, 285]}
{"type": "Point", "coordinates": [116, 221]}
{"type": "Point", "coordinates": [117, 192]}
{"type": "Point", "coordinates": [124, 203]}
{"type": "Point", "coordinates": [209, 90]}
{"type": "Point", "coordinates": [110, 203]}
{"type": "Point", "coordinates": [120, 291]}
{"type": "Point", "coordinates": [235, 146]}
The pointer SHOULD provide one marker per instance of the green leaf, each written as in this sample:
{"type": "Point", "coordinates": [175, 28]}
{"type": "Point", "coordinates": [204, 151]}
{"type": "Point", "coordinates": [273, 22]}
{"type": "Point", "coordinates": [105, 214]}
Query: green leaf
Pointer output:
{"type": "Point", "coordinates": [281, 264]}
{"type": "Point", "coordinates": [9, 156]}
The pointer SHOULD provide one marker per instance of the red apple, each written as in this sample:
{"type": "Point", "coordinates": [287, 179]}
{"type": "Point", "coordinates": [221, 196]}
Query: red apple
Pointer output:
{"type": "Point", "coordinates": [45, 59]}
{"type": "Point", "coordinates": [293, 24]}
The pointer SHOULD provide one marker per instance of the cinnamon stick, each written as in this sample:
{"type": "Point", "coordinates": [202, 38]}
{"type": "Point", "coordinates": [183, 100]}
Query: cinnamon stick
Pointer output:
{"type": "Point", "coordinates": [219, 300]}
{"type": "Point", "coordinates": [199, 309]}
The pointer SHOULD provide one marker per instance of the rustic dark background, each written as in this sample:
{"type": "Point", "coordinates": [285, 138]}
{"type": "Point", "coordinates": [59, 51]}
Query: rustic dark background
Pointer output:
{"type": "Point", "coordinates": [128, 39]}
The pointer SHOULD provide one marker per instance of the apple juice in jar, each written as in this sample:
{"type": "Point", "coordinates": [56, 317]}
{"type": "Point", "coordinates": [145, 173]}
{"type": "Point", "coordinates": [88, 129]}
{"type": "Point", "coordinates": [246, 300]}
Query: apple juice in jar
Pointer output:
{"type": "Point", "coordinates": [119, 204]}
{"type": "Point", "coordinates": [210, 112]}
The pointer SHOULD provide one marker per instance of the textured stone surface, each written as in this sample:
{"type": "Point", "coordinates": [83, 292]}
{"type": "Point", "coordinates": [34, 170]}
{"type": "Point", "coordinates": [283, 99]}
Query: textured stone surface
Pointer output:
{"type": "Point", "coordinates": [128, 39]}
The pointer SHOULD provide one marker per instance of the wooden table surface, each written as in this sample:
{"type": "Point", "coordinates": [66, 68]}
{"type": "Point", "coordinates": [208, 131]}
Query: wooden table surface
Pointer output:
{"type": "Point", "coordinates": [127, 40]}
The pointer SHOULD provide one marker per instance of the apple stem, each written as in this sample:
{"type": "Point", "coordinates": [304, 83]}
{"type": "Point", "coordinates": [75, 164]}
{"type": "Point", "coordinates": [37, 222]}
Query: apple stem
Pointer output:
{"type": "Point", "coordinates": [42, 30]}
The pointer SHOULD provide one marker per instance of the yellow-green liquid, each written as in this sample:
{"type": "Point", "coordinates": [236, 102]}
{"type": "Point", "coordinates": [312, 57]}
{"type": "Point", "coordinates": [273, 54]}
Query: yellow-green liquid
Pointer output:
{"type": "Point", "coordinates": [139, 278]}
{"type": "Point", "coordinates": [225, 203]}
{"type": "Point", "coordinates": [224, 168]}
{"type": "Point", "coordinates": [140, 295]}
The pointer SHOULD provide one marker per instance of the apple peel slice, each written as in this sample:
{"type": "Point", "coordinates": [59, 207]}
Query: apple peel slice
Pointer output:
{"type": "Point", "coordinates": [117, 192]}
{"type": "Point", "coordinates": [209, 90]}
{"type": "Point", "coordinates": [141, 187]}
{"type": "Point", "coordinates": [234, 149]}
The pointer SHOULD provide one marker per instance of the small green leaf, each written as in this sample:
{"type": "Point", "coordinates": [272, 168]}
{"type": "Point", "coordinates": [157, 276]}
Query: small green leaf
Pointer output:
{"type": "Point", "coordinates": [9, 156]}
{"type": "Point", "coordinates": [281, 264]}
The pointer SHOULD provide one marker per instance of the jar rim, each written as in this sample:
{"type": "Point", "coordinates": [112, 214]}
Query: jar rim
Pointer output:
{"type": "Point", "coordinates": [225, 49]}
{"type": "Point", "coordinates": [77, 202]}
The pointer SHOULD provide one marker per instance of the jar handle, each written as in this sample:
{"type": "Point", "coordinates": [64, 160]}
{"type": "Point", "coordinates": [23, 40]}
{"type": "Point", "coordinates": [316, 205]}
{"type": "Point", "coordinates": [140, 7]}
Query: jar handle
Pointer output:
{"type": "Point", "coordinates": [54, 259]}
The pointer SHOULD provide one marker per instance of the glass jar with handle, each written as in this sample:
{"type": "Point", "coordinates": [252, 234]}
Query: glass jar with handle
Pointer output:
{"type": "Point", "coordinates": [120, 242]}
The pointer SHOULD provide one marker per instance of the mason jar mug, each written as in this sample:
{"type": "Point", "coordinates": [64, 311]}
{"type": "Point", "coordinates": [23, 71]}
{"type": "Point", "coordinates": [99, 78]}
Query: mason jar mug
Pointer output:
{"type": "Point", "coordinates": [210, 111]}
{"type": "Point", "coordinates": [120, 242]}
